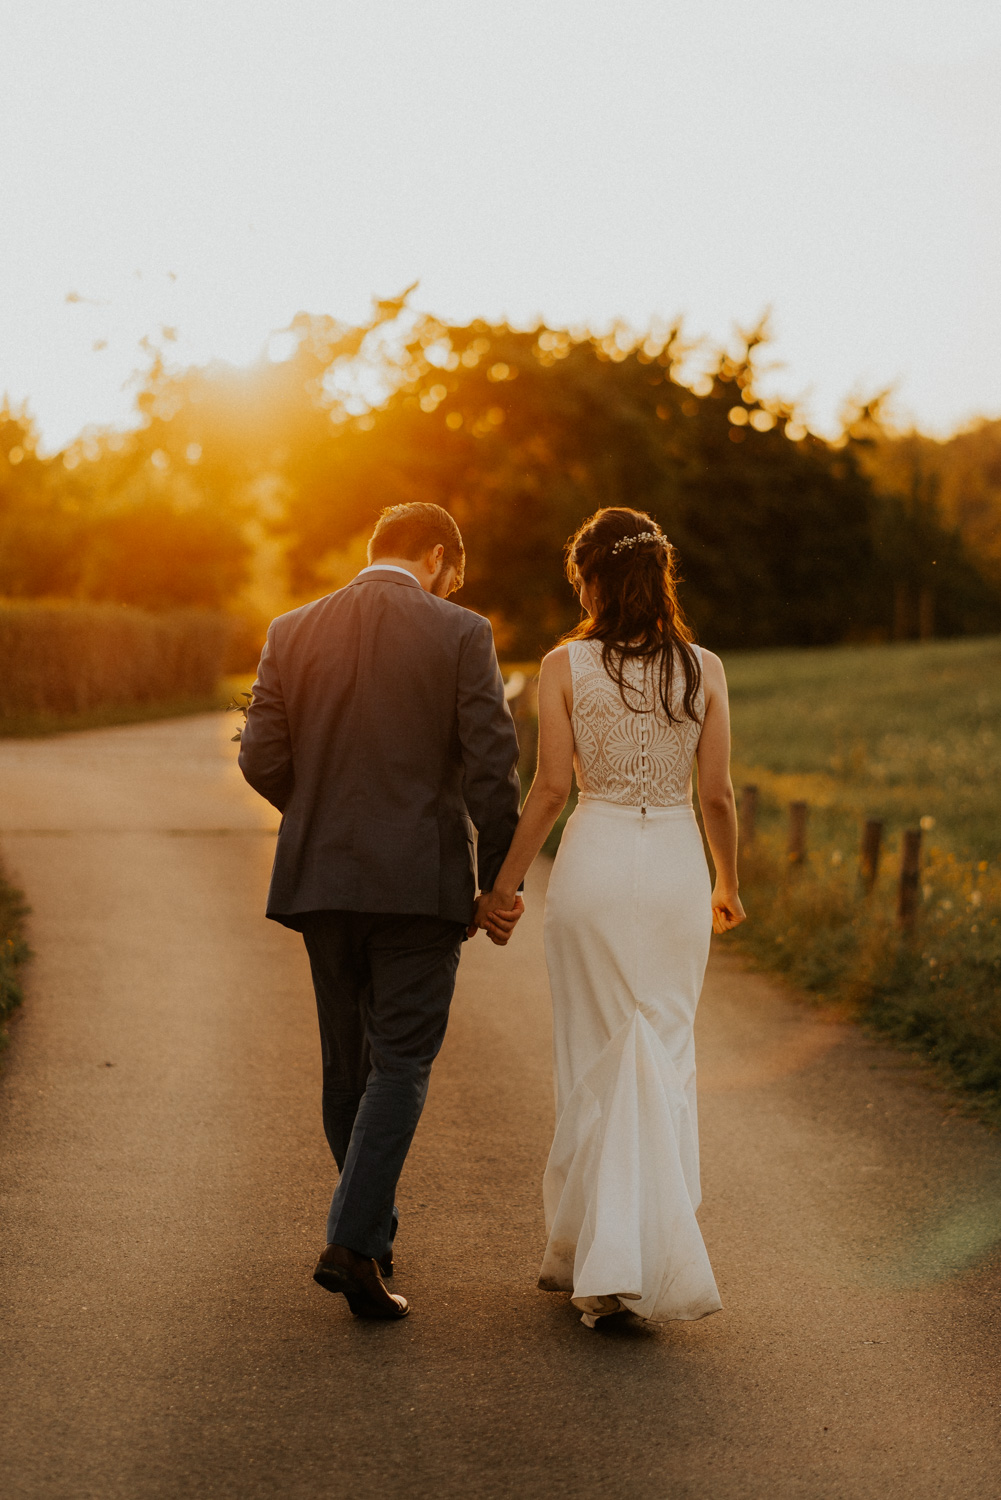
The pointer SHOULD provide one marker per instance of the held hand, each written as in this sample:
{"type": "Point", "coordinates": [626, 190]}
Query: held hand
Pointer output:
{"type": "Point", "coordinates": [727, 910]}
{"type": "Point", "coordinates": [501, 924]}
{"type": "Point", "coordinates": [499, 915]}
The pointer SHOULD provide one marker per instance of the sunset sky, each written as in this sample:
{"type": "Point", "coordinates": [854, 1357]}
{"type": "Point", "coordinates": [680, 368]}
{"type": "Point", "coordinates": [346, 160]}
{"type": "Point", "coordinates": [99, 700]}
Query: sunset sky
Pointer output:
{"type": "Point", "coordinates": [217, 165]}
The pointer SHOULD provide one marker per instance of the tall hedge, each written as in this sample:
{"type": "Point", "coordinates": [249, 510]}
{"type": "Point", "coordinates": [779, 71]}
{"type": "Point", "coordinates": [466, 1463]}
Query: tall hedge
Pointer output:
{"type": "Point", "coordinates": [65, 658]}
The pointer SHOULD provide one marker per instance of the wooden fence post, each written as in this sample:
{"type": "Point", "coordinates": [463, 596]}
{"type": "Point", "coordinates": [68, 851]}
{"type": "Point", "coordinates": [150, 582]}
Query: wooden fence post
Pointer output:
{"type": "Point", "coordinates": [797, 832]}
{"type": "Point", "coordinates": [910, 873]}
{"type": "Point", "coordinates": [748, 814]}
{"type": "Point", "coordinates": [872, 837]}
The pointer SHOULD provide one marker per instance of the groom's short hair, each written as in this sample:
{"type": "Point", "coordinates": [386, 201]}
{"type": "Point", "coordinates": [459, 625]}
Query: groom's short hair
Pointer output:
{"type": "Point", "coordinates": [411, 531]}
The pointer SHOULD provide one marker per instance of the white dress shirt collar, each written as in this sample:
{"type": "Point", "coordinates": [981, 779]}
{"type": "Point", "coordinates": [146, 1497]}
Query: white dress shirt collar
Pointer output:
{"type": "Point", "coordinates": [387, 568]}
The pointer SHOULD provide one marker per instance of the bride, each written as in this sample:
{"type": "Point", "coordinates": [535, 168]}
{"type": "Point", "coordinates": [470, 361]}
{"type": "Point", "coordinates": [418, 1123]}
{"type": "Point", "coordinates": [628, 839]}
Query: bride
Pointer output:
{"type": "Point", "coordinates": [629, 702]}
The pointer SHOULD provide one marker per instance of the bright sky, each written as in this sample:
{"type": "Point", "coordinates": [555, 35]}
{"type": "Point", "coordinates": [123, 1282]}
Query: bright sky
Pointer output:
{"type": "Point", "coordinates": [218, 165]}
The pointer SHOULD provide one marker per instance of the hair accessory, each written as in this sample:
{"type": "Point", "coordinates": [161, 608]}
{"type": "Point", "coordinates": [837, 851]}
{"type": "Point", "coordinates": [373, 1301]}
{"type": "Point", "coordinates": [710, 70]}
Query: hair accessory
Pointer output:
{"type": "Point", "coordinates": [632, 541]}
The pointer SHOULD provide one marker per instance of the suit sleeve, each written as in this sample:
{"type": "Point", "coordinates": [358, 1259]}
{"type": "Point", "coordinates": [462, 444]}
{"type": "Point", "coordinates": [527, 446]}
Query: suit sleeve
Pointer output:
{"type": "Point", "coordinates": [266, 744]}
{"type": "Point", "coordinates": [491, 788]}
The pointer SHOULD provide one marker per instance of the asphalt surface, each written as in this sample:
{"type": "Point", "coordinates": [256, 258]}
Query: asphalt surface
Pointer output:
{"type": "Point", "coordinates": [164, 1182]}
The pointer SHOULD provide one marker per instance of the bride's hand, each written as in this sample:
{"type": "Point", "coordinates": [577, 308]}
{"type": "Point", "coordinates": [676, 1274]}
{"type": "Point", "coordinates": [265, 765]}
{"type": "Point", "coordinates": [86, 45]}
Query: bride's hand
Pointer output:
{"type": "Point", "coordinates": [727, 910]}
{"type": "Point", "coordinates": [499, 915]}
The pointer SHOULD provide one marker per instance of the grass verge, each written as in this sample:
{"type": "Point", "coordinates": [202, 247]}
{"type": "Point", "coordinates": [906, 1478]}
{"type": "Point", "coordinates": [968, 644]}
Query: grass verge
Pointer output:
{"type": "Point", "coordinates": [935, 990]}
{"type": "Point", "coordinates": [14, 951]}
{"type": "Point", "coordinates": [38, 726]}
{"type": "Point", "coordinates": [908, 734]}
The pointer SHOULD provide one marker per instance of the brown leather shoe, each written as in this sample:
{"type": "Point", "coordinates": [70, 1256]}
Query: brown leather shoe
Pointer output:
{"type": "Point", "coordinates": [360, 1281]}
{"type": "Point", "coordinates": [386, 1262]}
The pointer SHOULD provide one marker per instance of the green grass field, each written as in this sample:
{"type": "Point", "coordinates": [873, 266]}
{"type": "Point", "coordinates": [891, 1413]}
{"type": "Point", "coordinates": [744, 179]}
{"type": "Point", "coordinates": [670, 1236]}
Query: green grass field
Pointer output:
{"type": "Point", "coordinates": [894, 732]}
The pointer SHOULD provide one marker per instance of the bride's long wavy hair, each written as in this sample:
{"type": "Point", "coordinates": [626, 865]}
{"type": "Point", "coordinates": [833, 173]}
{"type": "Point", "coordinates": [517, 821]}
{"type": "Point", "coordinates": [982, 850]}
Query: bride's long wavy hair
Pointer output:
{"type": "Point", "coordinates": [628, 564]}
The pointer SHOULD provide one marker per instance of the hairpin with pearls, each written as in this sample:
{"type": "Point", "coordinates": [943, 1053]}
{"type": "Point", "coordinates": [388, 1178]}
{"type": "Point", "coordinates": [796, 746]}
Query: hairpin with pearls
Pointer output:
{"type": "Point", "coordinates": [632, 541]}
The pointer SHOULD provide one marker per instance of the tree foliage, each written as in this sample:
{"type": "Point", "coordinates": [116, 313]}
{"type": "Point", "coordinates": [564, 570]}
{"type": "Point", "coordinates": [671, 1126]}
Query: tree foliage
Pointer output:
{"type": "Point", "coordinates": [941, 518]}
{"type": "Point", "coordinates": [783, 538]}
{"type": "Point", "coordinates": [253, 488]}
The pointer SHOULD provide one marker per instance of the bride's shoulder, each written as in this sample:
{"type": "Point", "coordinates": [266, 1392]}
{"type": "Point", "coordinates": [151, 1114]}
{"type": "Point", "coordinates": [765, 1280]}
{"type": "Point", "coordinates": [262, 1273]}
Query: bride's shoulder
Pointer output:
{"type": "Point", "coordinates": [713, 674]}
{"type": "Point", "coordinates": [557, 662]}
{"type": "Point", "coordinates": [555, 674]}
{"type": "Point", "coordinates": [566, 656]}
{"type": "Point", "coordinates": [570, 651]}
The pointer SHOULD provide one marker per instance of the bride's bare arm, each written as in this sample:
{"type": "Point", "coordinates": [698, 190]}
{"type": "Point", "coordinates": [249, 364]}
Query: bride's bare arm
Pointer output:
{"type": "Point", "coordinates": [719, 812]}
{"type": "Point", "coordinates": [550, 789]}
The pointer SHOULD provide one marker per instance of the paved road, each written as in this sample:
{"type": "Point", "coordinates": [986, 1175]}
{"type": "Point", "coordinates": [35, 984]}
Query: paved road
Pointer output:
{"type": "Point", "coordinates": [164, 1184]}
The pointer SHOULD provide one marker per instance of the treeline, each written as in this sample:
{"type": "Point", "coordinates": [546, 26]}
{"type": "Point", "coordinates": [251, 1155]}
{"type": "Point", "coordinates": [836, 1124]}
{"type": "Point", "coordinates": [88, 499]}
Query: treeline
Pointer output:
{"type": "Point", "coordinates": [251, 490]}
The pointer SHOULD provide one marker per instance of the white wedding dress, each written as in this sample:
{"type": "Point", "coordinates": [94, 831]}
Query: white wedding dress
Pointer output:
{"type": "Point", "coordinates": [627, 930]}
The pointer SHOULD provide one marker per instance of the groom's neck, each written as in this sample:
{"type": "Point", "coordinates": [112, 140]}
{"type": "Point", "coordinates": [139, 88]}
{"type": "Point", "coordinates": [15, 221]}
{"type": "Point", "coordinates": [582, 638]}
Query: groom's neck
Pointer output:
{"type": "Point", "coordinates": [422, 576]}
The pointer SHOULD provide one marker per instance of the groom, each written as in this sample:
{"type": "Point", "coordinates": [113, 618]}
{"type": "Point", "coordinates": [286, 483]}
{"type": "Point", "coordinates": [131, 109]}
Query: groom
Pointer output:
{"type": "Point", "coordinates": [379, 730]}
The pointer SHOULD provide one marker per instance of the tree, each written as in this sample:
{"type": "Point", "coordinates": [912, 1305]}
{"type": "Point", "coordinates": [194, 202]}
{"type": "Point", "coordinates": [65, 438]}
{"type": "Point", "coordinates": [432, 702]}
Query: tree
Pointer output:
{"type": "Point", "coordinates": [937, 529]}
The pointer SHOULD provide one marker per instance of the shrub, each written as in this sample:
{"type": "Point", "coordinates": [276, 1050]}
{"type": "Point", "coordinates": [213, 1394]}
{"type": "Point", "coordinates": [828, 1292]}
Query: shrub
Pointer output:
{"type": "Point", "coordinates": [65, 658]}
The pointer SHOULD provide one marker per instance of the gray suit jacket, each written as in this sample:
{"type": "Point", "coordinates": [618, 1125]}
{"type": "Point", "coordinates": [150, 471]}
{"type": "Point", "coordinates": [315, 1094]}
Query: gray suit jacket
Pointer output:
{"type": "Point", "coordinates": [379, 729]}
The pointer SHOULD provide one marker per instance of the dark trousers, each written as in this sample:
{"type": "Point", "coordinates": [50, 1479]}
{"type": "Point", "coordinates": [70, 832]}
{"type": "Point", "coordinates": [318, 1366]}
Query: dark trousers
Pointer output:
{"type": "Point", "coordinates": [383, 989]}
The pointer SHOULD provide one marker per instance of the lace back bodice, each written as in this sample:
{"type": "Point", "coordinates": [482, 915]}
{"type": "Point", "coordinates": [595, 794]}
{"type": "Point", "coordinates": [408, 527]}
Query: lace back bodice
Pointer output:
{"type": "Point", "coordinates": [634, 759]}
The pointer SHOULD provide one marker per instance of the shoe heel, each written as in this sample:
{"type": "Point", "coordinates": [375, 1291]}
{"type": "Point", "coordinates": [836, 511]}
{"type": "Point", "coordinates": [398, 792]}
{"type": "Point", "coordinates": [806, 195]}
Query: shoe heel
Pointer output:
{"type": "Point", "coordinates": [331, 1280]}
